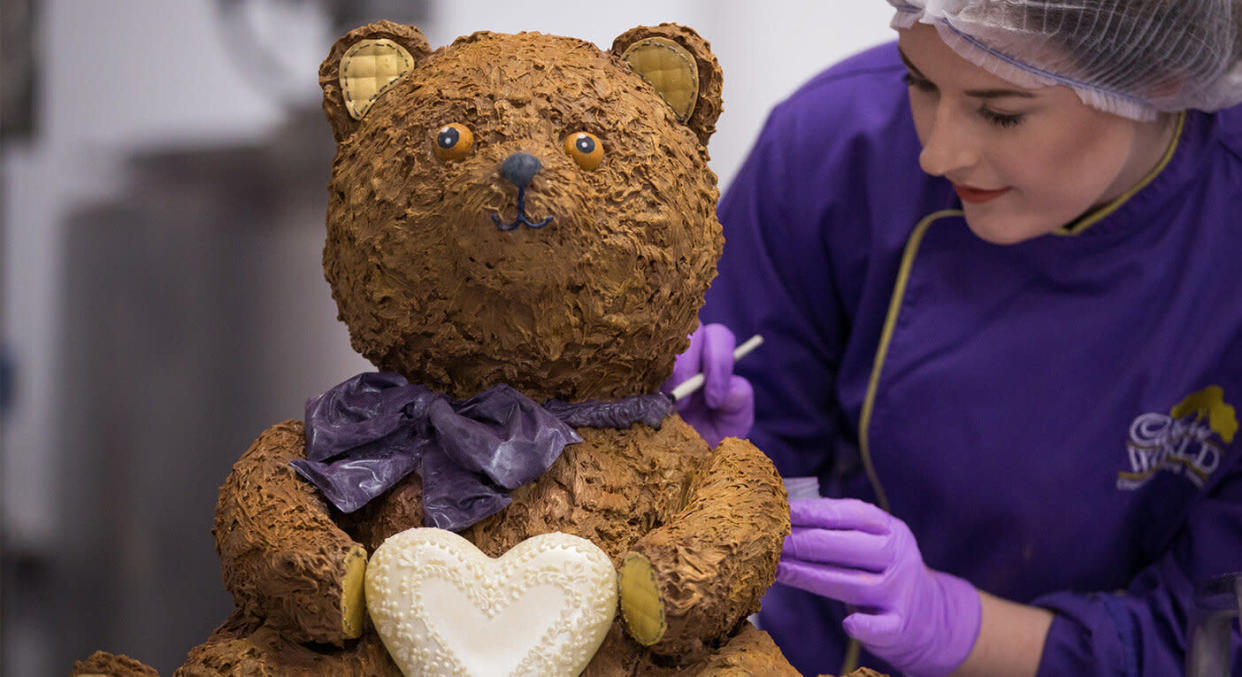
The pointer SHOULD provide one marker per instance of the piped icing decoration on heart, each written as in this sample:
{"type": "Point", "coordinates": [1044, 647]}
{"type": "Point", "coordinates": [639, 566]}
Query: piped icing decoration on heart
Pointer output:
{"type": "Point", "coordinates": [442, 607]}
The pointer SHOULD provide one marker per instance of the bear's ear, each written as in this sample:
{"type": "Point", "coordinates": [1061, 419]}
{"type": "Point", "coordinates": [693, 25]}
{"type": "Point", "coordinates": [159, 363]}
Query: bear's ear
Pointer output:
{"type": "Point", "coordinates": [362, 65]}
{"type": "Point", "coordinates": [681, 67]}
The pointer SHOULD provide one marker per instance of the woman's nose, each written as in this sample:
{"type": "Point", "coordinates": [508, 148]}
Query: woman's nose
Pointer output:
{"type": "Point", "coordinates": [951, 144]}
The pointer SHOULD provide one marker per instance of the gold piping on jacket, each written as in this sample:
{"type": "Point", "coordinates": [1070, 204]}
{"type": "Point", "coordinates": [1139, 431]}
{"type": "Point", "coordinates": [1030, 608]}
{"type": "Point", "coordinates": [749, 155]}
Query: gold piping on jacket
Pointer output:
{"type": "Point", "coordinates": [1096, 216]}
{"type": "Point", "coordinates": [886, 336]}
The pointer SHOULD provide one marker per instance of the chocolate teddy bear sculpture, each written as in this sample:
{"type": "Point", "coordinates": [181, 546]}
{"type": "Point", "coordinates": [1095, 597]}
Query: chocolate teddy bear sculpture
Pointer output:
{"type": "Point", "coordinates": [513, 219]}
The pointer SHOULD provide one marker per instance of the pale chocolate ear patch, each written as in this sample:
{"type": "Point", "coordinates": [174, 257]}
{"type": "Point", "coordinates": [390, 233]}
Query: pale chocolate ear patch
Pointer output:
{"type": "Point", "coordinates": [670, 68]}
{"type": "Point", "coordinates": [368, 69]}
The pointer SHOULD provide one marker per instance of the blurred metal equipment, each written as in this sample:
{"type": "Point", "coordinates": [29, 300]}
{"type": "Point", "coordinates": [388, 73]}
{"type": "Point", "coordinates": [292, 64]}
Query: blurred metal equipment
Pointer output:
{"type": "Point", "coordinates": [17, 69]}
{"type": "Point", "coordinates": [1217, 602]}
{"type": "Point", "coordinates": [201, 317]}
{"type": "Point", "coordinates": [19, 564]}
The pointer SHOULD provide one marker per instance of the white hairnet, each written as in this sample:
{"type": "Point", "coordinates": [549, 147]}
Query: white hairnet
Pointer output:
{"type": "Point", "coordinates": [1128, 57]}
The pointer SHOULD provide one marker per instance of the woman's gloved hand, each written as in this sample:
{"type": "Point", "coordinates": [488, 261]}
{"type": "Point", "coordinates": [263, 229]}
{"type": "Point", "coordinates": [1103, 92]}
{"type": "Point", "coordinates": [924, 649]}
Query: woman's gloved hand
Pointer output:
{"type": "Point", "coordinates": [725, 405]}
{"type": "Point", "coordinates": [922, 621]}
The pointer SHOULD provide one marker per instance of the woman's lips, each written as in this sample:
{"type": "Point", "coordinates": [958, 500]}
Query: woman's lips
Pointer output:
{"type": "Point", "coordinates": [977, 195]}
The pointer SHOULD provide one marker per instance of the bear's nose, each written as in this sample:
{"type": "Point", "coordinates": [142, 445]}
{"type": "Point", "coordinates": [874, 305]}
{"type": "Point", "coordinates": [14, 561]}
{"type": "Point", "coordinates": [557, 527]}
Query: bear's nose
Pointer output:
{"type": "Point", "coordinates": [520, 168]}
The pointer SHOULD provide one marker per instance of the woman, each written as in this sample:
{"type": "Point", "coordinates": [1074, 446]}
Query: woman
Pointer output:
{"type": "Point", "coordinates": [1002, 305]}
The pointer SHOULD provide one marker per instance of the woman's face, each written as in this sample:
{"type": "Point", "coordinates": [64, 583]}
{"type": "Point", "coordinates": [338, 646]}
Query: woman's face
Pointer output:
{"type": "Point", "coordinates": [1024, 161]}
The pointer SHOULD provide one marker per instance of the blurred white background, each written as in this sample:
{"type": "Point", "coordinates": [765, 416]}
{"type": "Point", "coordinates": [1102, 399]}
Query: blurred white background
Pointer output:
{"type": "Point", "coordinates": [163, 169]}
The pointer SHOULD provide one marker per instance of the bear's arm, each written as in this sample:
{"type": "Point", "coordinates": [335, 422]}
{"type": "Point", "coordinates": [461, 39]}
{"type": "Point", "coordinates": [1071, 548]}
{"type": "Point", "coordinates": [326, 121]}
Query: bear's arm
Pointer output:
{"type": "Point", "coordinates": [694, 578]}
{"type": "Point", "coordinates": [283, 557]}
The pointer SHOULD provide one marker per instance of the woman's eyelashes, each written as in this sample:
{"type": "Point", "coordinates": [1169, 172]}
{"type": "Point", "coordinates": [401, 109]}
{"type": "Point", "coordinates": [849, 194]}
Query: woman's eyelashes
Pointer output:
{"type": "Point", "coordinates": [918, 83]}
{"type": "Point", "coordinates": [1002, 120]}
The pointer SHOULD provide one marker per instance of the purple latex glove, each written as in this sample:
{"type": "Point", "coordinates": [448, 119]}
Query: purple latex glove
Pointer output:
{"type": "Point", "coordinates": [725, 405]}
{"type": "Point", "coordinates": [924, 622]}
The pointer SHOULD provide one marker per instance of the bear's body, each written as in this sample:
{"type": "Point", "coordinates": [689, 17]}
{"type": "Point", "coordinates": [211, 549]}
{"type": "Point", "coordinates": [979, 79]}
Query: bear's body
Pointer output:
{"type": "Point", "coordinates": [441, 280]}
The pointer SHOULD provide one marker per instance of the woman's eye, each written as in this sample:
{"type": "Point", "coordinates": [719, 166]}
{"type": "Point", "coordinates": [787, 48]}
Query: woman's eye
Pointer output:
{"type": "Point", "coordinates": [453, 141]}
{"type": "Point", "coordinates": [1003, 120]}
{"type": "Point", "coordinates": [585, 148]}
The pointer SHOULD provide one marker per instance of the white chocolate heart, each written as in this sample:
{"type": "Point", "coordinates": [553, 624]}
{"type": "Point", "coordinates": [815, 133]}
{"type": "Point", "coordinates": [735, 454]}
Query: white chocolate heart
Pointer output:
{"type": "Point", "coordinates": [442, 607]}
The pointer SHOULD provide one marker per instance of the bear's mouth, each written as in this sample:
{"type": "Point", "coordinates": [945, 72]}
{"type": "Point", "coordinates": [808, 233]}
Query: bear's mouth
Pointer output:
{"type": "Point", "coordinates": [521, 219]}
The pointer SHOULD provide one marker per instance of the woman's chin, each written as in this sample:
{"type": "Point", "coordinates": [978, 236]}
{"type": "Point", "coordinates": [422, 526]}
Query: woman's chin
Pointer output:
{"type": "Point", "coordinates": [1001, 229]}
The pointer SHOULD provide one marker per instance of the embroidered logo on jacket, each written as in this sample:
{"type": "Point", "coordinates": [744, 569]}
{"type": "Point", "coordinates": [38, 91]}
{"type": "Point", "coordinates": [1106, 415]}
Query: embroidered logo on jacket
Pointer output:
{"type": "Point", "coordinates": [1187, 440]}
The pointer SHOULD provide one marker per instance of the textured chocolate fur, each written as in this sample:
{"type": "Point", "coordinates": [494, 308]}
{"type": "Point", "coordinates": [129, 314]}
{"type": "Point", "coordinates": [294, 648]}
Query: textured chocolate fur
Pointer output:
{"type": "Point", "coordinates": [593, 306]}
{"type": "Point", "coordinates": [113, 665]}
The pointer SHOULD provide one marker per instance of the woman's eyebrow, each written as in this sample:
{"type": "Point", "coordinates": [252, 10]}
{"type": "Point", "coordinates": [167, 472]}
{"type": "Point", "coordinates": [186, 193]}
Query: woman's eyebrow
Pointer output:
{"type": "Point", "coordinates": [994, 93]}
{"type": "Point", "coordinates": [997, 93]}
{"type": "Point", "coordinates": [906, 60]}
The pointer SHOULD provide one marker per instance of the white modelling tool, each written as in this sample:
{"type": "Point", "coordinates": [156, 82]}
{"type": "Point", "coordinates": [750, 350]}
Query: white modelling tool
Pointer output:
{"type": "Point", "coordinates": [695, 382]}
{"type": "Point", "coordinates": [801, 488]}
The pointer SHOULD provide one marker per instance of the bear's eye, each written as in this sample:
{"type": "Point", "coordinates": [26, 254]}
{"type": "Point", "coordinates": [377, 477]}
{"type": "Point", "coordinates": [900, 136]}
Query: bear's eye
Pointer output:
{"type": "Point", "coordinates": [585, 148]}
{"type": "Point", "coordinates": [454, 141]}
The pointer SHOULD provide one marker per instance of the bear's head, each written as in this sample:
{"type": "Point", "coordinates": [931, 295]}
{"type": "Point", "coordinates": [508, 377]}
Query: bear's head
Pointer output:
{"type": "Point", "coordinates": [524, 209]}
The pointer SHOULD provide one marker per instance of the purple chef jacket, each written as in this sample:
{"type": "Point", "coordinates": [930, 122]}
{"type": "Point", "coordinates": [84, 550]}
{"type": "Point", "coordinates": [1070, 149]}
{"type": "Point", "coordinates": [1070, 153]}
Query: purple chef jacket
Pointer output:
{"type": "Point", "coordinates": [1056, 420]}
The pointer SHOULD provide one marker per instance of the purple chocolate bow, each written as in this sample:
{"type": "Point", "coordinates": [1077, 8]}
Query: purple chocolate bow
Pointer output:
{"type": "Point", "coordinates": [368, 433]}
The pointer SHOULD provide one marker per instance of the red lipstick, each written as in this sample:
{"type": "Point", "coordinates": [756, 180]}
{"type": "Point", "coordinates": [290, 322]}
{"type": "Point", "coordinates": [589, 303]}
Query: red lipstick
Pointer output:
{"type": "Point", "coordinates": [978, 195]}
